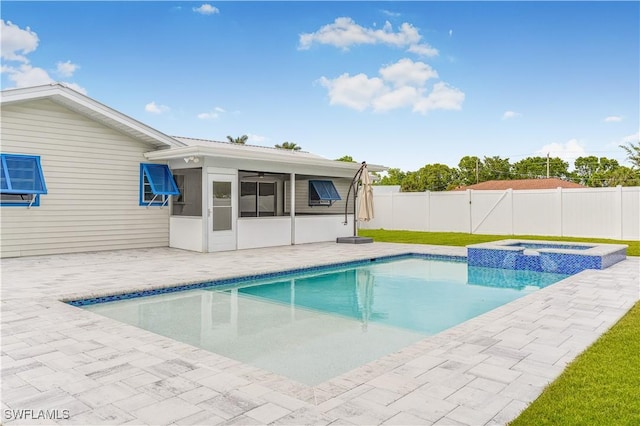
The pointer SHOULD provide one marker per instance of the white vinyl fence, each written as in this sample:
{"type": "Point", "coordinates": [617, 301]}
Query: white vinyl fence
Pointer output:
{"type": "Point", "coordinates": [584, 212]}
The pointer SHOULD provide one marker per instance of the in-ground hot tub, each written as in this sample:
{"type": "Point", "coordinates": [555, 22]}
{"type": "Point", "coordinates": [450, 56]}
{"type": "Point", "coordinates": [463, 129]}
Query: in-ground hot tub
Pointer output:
{"type": "Point", "coordinates": [545, 256]}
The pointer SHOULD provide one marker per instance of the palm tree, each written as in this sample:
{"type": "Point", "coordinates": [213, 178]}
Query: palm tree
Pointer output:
{"type": "Point", "coordinates": [289, 145]}
{"type": "Point", "coordinates": [239, 140]}
{"type": "Point", "coordinates": [633, 154]}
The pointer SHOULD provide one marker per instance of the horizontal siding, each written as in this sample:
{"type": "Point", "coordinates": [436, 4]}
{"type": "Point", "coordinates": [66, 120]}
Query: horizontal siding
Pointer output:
{"type": "Point", "coordinates": [302, 197]}
{"type": "Point", "coordinates": [92, 176]}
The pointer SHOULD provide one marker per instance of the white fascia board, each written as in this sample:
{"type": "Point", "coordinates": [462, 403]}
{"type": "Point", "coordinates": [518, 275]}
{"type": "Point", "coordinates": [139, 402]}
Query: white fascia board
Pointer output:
{"type": "Point", "coordinates": [82, 103]}
{"type": "Point", "coordinates": [268, 157]}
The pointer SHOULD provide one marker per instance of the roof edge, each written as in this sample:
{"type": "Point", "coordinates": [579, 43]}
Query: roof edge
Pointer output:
{"type": "Point", "coordinates": [276, 156]}
{"type": "Point", "coordinates": [64, 95]}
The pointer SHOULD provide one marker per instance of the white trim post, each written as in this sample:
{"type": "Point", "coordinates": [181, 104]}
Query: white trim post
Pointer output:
{"type": "Point", "coordinates": [292, 206]}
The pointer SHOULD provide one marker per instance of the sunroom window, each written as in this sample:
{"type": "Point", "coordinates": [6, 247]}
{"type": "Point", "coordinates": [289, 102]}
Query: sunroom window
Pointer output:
{"type": "Point", "coordinates": [156, 185]}
{"type": "Point", "coordinates": [322, 193]}
{"type": "Point", "coordinates": [21, 180]}
{"type": "Point", "coordinates": [258, 199]}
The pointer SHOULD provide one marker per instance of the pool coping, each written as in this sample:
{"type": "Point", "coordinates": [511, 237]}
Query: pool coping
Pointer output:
{"type": "Point", "coordinates": [224, 281]}
{"type": "Point", "coordinates": [595, 249]}
{"type": "Point", "coordinates": [484, 371]}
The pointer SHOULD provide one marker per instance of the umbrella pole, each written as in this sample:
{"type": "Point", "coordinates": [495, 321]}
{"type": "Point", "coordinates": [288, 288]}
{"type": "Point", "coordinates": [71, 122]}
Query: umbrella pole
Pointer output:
{"type": "Point", "coordinates": [354, 181]}
{"type": "Point", "coordinates": [355, 211]}
{"type": "Point", "coordinates": [354, 239]}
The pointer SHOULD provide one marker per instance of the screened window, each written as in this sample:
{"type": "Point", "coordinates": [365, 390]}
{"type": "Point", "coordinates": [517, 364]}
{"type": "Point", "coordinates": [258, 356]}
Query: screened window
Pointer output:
{"type": "Point", "coordinates": [322, 193]}
{"type": "Point", "coordinates": [257, 199]}
{"type": "Point", "coordinates": [156, 185]}
{"type": "Point", "coordinates": [189, 202]}
{"type": "Point", "coordinates": [21, 180]}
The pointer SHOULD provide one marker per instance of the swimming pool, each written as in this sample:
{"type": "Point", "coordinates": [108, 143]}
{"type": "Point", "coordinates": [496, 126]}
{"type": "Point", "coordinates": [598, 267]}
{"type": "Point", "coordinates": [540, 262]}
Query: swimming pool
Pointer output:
{"type": "Point", "coordinates": [315, 325]}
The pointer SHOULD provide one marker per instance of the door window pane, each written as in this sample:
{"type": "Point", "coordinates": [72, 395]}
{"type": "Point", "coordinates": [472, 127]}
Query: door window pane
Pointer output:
{"type": "Point", "coordinates": [222, 220]}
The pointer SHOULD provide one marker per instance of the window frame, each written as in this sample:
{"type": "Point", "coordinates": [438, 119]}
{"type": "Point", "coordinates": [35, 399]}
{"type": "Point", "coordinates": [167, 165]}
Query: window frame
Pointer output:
{"type": "Point", "coordinates": [147, 181]}
{"type": "Point", "coordinates": [256, 212]}
{"type": "Point", "coordinates": [7, 178]}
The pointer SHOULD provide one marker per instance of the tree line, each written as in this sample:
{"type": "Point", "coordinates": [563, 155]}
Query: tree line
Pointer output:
{"type": "Point", "coordinates": [590, 171]}
{"type": "Point", "coordinates": [242, 140]}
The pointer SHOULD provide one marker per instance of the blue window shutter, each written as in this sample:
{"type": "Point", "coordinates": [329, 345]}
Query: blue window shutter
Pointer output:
{"type": "Point", "coordinates": [324, 190]}
{"type": "Point", "coordinates": [160, 179]}
{"type": "Point", "coordinates": [21, 174]}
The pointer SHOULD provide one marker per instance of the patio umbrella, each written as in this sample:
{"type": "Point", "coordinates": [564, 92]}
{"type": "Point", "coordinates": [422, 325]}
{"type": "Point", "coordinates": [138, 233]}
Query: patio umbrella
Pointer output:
{"type": "Point", "coordinates": [365, 207]}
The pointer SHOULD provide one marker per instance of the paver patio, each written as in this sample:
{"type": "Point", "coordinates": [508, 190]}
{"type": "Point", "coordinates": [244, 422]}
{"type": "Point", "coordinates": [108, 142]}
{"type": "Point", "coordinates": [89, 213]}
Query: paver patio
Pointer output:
{"type": "Point", "coordinates": [95, 370]}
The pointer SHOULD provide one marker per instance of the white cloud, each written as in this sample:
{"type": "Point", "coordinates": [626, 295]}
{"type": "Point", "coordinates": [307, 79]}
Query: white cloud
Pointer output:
{"type": "Point", "coordinates": [214, 114]}
{"type": "Point", "coordinates": [397, 98]}
{"type": "Point", "coordinates": [442, 96]}
{"type": "Point", "coordinates": [154, 108]}
{"type": "Point", "coordinates": [344, 33]}
{"type": "Point", "coordinates": [568, 151]}
{"type": "Point", "coordinates": [357, 92]}
{"type": "Point", "coordinates": [510, 114]}
{"type": "Point", "coordinates": [76, 87]}
{"type": "Point", "coordinates": [16, 42]}
{"type": "Point", "coordinates": [256, 139]}
{"type": "Point", "coordinates": [423, 50]}
{"type": "Point", "coordinates": [406, 72]}
{"type": "Point", "coordinates": [613, 119]}
{"type": "Point", "coordinates": [400, 85]}
{"type": "Point", "coordinates": [25, 75]}
{"type": "Point", "coordinates": [206, 9]}
{"type": "Point", "coordinates": [66, 69]}
{"type": "Point", "coordinates": [390, 13]}
{"type": "Point", "coordinates": [634, 138]}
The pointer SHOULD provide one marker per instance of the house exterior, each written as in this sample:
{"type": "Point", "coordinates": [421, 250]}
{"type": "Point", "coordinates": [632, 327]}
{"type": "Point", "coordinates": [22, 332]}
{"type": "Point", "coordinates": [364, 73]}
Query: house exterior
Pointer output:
{"type": "Point", "coordinates": [78, 176]}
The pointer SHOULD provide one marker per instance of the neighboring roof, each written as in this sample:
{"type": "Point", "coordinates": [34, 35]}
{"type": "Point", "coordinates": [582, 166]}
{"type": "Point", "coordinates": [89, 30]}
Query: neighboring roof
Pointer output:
{"type": "Point", "coordinates": [204, 147]}
{"type": "Point", "coordinates": [547, 183]}
{"type": "Point", "coordinates": [90, 108]}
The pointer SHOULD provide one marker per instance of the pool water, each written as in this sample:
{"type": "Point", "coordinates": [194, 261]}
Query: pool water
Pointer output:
{"type": "Point", "coordinates": [316, 326]}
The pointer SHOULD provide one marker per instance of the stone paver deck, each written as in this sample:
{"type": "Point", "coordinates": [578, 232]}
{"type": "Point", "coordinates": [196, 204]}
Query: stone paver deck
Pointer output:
{"type": "Point", "coordinates": [87, 369]}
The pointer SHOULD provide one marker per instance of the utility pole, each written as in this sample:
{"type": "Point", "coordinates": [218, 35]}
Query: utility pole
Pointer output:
{"type": "Point", "coordinates": [547, 165]}
{"type": "Point", "coordinates": [477, 172]}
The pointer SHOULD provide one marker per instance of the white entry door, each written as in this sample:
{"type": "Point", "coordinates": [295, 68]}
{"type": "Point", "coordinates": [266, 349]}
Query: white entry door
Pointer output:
{"type": "Point", "coordinates": [222, 212]}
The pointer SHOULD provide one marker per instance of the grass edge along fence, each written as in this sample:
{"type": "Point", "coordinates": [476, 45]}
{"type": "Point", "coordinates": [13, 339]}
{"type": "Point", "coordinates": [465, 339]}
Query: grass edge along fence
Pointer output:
{"type": "Point", "coordinates": [463, 239]}
{"type": "Point", "coordinates": [602, 385]}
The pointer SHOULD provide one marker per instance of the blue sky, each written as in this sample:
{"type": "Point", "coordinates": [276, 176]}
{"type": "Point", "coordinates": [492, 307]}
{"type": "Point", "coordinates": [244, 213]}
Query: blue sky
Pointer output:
{"type": "Point", "coordinates": [401, 84]}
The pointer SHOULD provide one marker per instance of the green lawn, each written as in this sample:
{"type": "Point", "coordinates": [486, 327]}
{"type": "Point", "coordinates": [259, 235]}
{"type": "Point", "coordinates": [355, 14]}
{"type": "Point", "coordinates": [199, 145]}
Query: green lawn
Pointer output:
{"type": "Point", "coordinates": [463, 239]}
{"type": "Point", "coordinates": [602, 385]}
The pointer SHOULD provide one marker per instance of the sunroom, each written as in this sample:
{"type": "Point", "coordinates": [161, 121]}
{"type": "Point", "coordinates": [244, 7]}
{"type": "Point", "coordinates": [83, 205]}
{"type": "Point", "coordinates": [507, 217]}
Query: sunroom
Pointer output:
{"type": "Point", "coordinates": [241, 196]}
